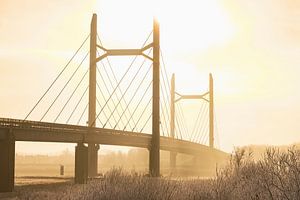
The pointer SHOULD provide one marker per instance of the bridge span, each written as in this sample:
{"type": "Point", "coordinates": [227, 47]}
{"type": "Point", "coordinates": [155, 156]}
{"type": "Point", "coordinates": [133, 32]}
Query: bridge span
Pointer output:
{"type": "Point", "coordinates": [33, 131]}
{"type": "Point", "coordinates": [12, 130]}
{"type": "Point", "coordinates": [164, 135]}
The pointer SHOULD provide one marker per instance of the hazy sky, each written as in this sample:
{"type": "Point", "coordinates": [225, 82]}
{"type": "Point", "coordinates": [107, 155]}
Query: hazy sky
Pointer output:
{"type": "Point", "coordinates": [251, 47]}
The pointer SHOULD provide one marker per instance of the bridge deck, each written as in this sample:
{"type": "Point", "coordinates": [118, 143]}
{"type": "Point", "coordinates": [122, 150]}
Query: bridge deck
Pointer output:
{"type": "Point", "coordinates": [52, 132]}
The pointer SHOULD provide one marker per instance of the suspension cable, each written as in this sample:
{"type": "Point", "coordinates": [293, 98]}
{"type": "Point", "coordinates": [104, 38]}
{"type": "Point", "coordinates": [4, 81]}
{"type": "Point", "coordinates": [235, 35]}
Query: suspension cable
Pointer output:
{"type": "Point", "coordinates": [206, 130]}
{"type": "Point", "coordinates": [217, 129]}
{"type": "Point", "coordinates": [169, 87]}
{"type": "Point", "coordinates": [198, 132]}
{"type": "Point", "coordinates": [164, 109]}
{"type": "Point", "coordinates": [146, 123]}
{"type": "Point", "coordinates": [165, 101]}
{"type": "Point", "coordinates": [162, 128]}
{"type": "Point", "coordinates": [116, 87]}
{"type": "Point", "coordinates": [70, 97]}
{"type": "Point", "coordinates": [138, 104]}
{"type": "Point", "coordinates": [197, 121]}
{"type": "Point", "coordinates": [98, 102]}
{"type": "Point", "coordinates": [118, 84]}
{"type": "Point", "coordinates": [142, 113]}
{"type": "Point", "coordinates": [102, 93]}
{"type": "Point", "coordinates": [163, 119]}
{"type": "Point", "coordinates": [180, 121]}
{"type": "Point", "coordinates": [134, 94]}
{"type": "Point", "coordinates": [201, 130]}
{"type": "Point", "coordinates": [56, 78]}
{"type": "Point", "coordinates": [164, 68]}
{"type": "Point", "coordinates": [114, 76]}
{"type": "Point", "coordinates": [107, 89]}
{"type": "Point", "coordinates": [128, 87]}
{"type": "Point", "coordinates": [181, 114]}
{"type": "Point", "coordinates": [64, 86]}
{"type": "Point", "coordinates": [82, 113]}
{"type": "Point", "coordinates": [77, 104]}
{"type": "Point", "coordinates": [179, 128]}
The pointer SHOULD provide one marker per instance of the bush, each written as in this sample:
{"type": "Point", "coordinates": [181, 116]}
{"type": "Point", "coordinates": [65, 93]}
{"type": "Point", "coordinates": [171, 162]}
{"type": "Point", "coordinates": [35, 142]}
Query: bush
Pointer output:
{"type": "Point", "coordinates": [275, 176]}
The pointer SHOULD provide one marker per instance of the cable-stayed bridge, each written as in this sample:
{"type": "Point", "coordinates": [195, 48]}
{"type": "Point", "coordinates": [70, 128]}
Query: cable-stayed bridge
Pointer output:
{"type": "Point", "coordinates": [96, 104]}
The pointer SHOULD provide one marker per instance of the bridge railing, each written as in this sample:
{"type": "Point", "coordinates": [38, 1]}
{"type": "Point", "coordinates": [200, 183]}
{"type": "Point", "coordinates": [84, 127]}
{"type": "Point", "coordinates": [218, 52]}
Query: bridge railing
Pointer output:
{"type": "Point", "coordinates": [55, 127]}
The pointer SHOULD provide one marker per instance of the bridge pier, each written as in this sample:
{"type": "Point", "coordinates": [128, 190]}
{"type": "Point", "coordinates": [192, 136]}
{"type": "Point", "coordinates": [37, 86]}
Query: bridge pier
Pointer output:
{"type": "Point", "coordinates": [173, 156]}
{"type": "Point", "coordinates": [93, 160]}
{"type": "Point", "coordinates": [7, 163]}
{"type": "Point", "coordinates": [81, 163]}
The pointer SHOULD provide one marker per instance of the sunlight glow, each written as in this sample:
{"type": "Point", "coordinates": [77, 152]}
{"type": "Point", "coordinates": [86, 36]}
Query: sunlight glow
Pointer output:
{"type": "Point", "coordinates": [205, 22]}
{"type": "Point", "coordinates": [186, 27]}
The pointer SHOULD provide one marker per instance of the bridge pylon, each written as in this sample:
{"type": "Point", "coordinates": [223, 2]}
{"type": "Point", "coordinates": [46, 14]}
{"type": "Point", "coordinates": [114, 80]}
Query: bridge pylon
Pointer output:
{"type": "Point", "coordinates": [211, 111]}
{"type": "Point", "coordinates": [92, 148]}
{"type": "Point", "coordinates": [154, 147]}
{"type": "Point", "coordinates": [172, 114]}
{"type": "Point", "coordinates": [154, 158]}
{"type": "Point", "coordinates": [173, 155]}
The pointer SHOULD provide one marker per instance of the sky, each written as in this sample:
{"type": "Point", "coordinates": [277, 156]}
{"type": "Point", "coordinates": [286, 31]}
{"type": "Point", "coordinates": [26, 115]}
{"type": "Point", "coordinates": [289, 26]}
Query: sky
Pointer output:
{"type": "Point", "coordinates": [251, 48]}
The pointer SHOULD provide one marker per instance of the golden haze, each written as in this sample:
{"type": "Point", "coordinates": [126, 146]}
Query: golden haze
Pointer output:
{"type": "Point", "coordinates": [251, 47]}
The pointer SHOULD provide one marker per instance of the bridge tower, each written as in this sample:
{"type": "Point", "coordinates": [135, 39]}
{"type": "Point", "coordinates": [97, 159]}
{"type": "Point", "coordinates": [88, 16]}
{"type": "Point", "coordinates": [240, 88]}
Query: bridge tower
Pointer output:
{"type": "Point", "coordinates": [86, 158]}
{"type": "Point", "coordinates": [211, 111]}
{"type": "Point", "coordinates": [154, 148]}
{"type": "Point", "coordinates": [172, 114]}
{"type": "Point", "coordinates": [172, 123]}
{"type": "Point", "coordinates": [92, 148]}
{"type": "Point", "coordinates": [154, 158]}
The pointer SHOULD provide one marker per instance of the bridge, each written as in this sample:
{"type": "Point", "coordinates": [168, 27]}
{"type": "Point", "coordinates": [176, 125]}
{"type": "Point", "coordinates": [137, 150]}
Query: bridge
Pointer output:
{"type": "Point", "coordinates": [120, 120]}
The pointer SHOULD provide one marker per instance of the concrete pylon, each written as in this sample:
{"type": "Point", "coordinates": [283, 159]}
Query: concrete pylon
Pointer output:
{"type": "Point", "coordinates": [173, 155]}
{"type": "Point", "coordinates": [92, 148]}
{"type": "Point", "coordinates": [81, 164]}
{"type": "Point", "coordinates": [211, 111]}
{"type": "Point", "coordinates": [154, 158]}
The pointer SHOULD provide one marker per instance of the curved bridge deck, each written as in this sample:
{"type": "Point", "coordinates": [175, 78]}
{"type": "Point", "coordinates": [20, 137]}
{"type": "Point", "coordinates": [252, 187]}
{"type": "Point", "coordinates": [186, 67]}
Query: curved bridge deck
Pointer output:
{"type": "Point", "coordinates": [35, 131]}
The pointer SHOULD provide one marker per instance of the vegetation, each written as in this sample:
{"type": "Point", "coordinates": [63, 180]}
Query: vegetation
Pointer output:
{"type": "Point", "coordinates": [275, 176]}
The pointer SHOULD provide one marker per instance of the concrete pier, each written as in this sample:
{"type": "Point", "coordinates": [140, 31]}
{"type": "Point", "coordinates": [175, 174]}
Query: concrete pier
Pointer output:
{"type": "Point", "coordinates": [81, 164]}
{"type": "Point", "coordinates": [7, 163]}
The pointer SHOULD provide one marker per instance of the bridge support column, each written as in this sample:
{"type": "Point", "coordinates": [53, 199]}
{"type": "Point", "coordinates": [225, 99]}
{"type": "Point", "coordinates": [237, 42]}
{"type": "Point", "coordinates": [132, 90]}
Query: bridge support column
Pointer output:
{"type": "Point", "coordinates": [173, 156]}
{"type": "Point", "coordinates": [93, 159]}
{"type": "Point", "coordinates": [172, 123]}
{"type": "Point", "coordinates": [81, 163]}
{"type": "Point", "coordinates": [7, 163]}
{"type": "Point", "coordinates": [93, 148]}
{"type": "Point", "coordinates": [211, 111]}
{"type": "Point", "coordinates": [154, 157]}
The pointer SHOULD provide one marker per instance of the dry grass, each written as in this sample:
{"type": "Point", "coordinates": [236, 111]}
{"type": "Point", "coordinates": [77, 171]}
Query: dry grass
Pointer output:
{"type": "Point", "coordinates": [275, 176]}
